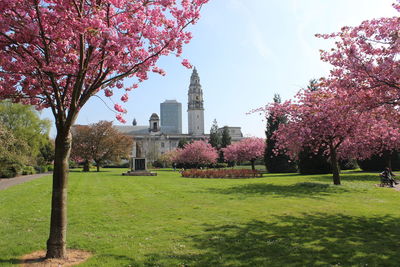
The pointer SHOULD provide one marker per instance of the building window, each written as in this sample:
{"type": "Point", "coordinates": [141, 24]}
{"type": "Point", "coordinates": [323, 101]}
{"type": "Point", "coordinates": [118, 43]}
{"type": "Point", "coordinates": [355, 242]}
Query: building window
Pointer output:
{"type": "Point", "coordinates": [162, 144]}
{"type": "Point", "coordinates": [155, 126]}
{"type": "Point", "coordinates": [197, 116]}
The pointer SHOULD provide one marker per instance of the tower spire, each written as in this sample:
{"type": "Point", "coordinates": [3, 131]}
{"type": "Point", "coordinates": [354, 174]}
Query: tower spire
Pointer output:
{"type": "Point", "coordinates": [195, 105]}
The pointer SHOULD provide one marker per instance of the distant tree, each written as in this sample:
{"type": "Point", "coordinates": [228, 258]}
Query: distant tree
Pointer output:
{"type": "Point", "coordinates": [46, 155]}
{"type": "Point", "coordinates": [215, 135]}
{"type": "Point", "coordinates": [182, 143]}
{"type": "Point", "coordinates": [196, 154]}
{"type": "Point", "coordinates": [248, 149]}
{"type": "Point", "coordinates": [276, 163]}
{"type": "Point", "coordinates": [226, 137]}
{"type": "Point", "coordinates": [100, 142]}
{"type": "Point", "coordinates": [168, 158]}
{"type": "Point", "coordinates": [225, 142]}
{"type": "Point", "coordinates": [26, 126]}
{"type": "Point", "coordinates": [13, 153]}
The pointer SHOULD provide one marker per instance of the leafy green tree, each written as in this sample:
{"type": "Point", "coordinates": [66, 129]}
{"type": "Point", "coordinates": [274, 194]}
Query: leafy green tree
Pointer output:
{"type": "Point", "coordinates": [226, 137]}
{"type": "Point", "coordinates": [12, 153]}
{"type": "Point", "coordinates": [276, 163]}
{"type": "Point", "coordinates": [225, 142]}
{"type": "Point", "coordinates": [26, 126]}
{"type": "Point", "coordinates": [182, 143]}
{"type": "Point", "coordinates": [215, 135]}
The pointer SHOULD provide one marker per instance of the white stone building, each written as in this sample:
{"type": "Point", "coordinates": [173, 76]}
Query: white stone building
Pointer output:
{"type": "Point", "coordinates": [151, 140]}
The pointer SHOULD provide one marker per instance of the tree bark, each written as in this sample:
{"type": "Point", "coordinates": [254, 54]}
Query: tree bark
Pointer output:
{"type": "Point", "coordinates": [335, 166]}
{"type": "Point", "coordinates": [98, 166]}
{"type": "Point", "coordinates": [253, 167]}
{"type": "Point", "coordinates": [86, 166]}
{"type": "Point", "coordinates": [387, 155]}
{"type": "Point", "coordinates": [56, 244]}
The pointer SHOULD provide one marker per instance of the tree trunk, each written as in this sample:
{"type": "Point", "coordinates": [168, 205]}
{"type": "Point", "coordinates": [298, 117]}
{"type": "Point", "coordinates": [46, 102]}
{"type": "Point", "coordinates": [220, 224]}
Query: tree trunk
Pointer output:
{"type": "Point", "coordinates": [252, 165]}
{"type": "Point", "coordinates": [56, 244]}
{"type": "Point", "coordinates": [98, 166]}
{"type": "Point", "coordinates": [86, 166]}
{"type": "Point", "coordinates": [335, 166]}
{"type": "Point", "coordinates": [387, 155]}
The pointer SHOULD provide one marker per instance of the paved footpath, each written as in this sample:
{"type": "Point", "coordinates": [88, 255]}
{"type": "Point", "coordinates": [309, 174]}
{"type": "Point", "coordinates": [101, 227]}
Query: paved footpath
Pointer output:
{"type": "Point", "coordinates": [8, 182]}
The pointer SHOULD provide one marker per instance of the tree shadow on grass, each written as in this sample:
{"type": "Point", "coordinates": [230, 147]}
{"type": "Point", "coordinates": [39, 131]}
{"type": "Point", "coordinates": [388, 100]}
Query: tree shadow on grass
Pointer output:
{"type": "Point", "coordinates": [309, 240]}
{"type": "Point", "coordinates": [306, 189]}
{"type": "Point", "coordinates": [349, 177]}
{"type": "Point", "coordinates": [10, 261]}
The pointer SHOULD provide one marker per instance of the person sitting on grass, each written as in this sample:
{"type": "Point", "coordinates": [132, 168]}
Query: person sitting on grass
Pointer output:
{"type": "Point", "coordinates": [387, 174]}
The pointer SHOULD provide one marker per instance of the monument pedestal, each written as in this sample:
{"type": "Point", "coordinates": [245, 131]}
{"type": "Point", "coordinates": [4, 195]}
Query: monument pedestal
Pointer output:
{"type": "Point", "coordinates": [138, 168]}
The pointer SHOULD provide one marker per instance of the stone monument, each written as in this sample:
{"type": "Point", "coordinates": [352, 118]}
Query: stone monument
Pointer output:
{"type": "Point", "coordinates": [138, 164]}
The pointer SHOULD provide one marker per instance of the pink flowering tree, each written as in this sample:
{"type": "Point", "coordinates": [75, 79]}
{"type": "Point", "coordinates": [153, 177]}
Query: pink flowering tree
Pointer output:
{"type": "Point", "coordinates": [248, 149]}
{"type": "Point", "coordinates": [198, 153]}
{"type": "Point", "coordinates": [325, 120]}
{"type": "Point", "coordinates": [365, 61]}
{"type": "Point", "coordinates": [57, 54]}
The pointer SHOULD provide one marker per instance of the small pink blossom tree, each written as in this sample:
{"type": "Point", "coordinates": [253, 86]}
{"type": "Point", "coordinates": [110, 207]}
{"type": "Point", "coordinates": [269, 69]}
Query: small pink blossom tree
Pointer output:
{"type": "Point", "coordinates": [198, 153]}
{"type": "Point", "coordinates": [57, 54]}
{"type": "Point", "coordinates": [248, 149]}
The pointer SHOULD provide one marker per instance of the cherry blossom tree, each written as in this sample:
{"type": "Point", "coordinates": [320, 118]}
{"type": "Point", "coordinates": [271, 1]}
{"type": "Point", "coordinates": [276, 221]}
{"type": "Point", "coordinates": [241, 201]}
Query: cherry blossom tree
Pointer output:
{"type": "Point", "coordinates": [57, 54]}
{"type": "Point", "coordinates": [198, 153]}
{"type": "Point", "coordinates": [365, 61]}
{"type": "Point", "coordinates": [324, 120]}
{"type": "Point", "coordinates": [248, 149]}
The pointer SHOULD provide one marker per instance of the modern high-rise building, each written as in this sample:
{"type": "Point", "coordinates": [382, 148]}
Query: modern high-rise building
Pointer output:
{"type": "Point", "coordinates": [171, 117]}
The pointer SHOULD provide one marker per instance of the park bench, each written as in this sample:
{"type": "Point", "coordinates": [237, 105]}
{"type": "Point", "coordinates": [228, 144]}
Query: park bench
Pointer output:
{"type": "Point", "coordinates": [385, 181]}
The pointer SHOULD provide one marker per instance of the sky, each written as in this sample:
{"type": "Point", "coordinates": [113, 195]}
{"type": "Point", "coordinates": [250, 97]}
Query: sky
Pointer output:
{"type": "Point", "coordinates": [245, 51]}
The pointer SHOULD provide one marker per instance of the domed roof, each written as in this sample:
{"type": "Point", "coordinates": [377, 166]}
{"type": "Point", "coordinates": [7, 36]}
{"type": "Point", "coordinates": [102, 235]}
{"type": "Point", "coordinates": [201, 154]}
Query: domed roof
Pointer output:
{"type": "Point", "coordinates": [154, 116]}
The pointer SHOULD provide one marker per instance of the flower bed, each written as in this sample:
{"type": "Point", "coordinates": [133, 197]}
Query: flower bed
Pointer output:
{"type": "Point", "coordinates": [220, 173]}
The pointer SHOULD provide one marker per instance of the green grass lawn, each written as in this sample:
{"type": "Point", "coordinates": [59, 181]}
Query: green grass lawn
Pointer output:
{"type": "Point", "coordinates": [278, 220]}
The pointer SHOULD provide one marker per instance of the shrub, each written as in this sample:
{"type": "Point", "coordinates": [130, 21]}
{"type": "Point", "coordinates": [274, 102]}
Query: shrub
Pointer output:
{"type": "Point", "coordinates": [348, 164]}
{"type": "Point", "coordinates": [310, 163]}
{"type": "Point", "coordinates": [158, 164]}
{"type": "Point", "coordinates": [9, 169]}
{"type": "Point", "coordinates": [121, 165]}
{"type": "Point", "coordinates": [378, 163]}
{"type": "Point", "coordinates": [218, 165]}
{"type": "Point", "coordinates": [73, 164]}
{"type": "Point", "coordinates": [27, 170]}
{"type": "Point", "coordinates": [220, 173]}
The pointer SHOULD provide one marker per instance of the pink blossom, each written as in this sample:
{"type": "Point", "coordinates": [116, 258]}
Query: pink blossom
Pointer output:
{"type": "Point", "coordinates": [248, 149]}
{"type": "Point", "coordinates": [118, 108]}
{"type": "Point", "coordinates": [108, 92]}
{"type": "Point", "coordinates": [187, 64]}
{"type": "Point", "coordinates": [120, 118]}
{"type": "Point", "coordinates": [124, 98]}
{"type": "Point", "coordinates": [198, 152]}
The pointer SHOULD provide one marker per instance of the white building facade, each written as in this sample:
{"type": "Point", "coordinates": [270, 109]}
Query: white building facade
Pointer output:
{"type": "Point", "coordinates": [156, 139]}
